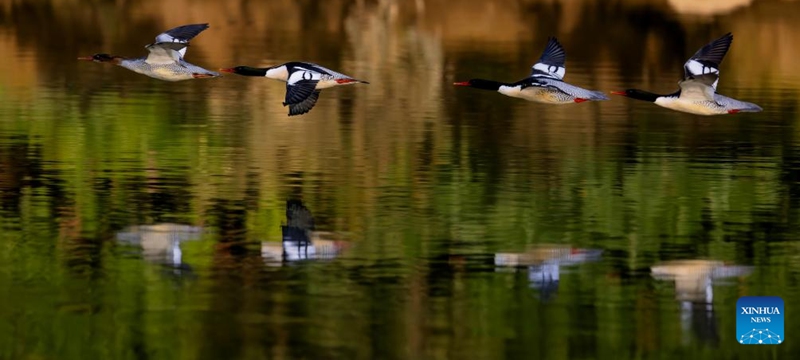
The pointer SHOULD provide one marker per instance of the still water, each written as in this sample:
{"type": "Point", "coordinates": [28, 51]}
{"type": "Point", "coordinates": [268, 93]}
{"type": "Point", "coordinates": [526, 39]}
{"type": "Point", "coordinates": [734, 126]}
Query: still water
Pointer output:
{"type": "Point", "coordinates": [406, 219]}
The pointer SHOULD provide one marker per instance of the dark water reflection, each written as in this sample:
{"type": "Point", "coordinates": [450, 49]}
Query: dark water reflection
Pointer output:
{"type": "Point", "coordinates": [694, 290]}
{"type": "Point", "coordinates": [160, 243]}
{"type": "Point", "coordinates": [144, 219]}
{"type": "Point", "coordinates": [300, 241]}
{"type": "Point", "coordinates": [544, 263]}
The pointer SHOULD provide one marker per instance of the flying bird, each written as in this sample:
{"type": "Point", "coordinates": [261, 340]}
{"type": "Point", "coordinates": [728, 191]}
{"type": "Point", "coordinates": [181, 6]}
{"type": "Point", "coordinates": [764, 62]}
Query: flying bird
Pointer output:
{"type": "Point", "coordinates": [304, 81]}
{"type": "Point", "coordinates": [545, 83]}
{"type": "Point", "coordinates": [698, 89]}
{"type": "Point", "coordinates": [165, 60]}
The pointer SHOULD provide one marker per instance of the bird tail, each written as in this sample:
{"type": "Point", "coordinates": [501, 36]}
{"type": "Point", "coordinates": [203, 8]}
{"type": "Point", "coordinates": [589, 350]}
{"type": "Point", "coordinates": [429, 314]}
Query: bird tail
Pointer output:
{"type": "Point", "coordinates": [598, 95]}
{"type": "Point", "coordinates": [750, 107]}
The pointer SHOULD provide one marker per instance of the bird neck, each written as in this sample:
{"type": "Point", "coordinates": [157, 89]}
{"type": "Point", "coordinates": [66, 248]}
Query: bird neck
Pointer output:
{"type": "Point", "coordinates": [644, 95]}
{"type": "Point", "coordinates": [486, 84]}
{"type": "Point", "coordinates": [251, 71]}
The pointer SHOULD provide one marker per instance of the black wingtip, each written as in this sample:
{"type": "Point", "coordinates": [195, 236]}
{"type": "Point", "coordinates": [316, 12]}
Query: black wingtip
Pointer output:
{"type": "Point", "coordinates": [715, 50]}
{"type": "Point", "coordinates": [187, 32]}
{"type": "Point", "coordinates": [553, 53]}
{"type": "Point", "coordinates": [296, 112]}
{"type": "Point", "coordinates": [727, 38]}
{"type": "Point", "coordinates": [198, 25]}
{"type": "Point", "coordinates": [553, 44]}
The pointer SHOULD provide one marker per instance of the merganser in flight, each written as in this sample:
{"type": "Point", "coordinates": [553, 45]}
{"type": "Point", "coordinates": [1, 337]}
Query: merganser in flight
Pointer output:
{"type": "Point", "coordinates": [545, 84]}
{"type": "Point", "coordinates": [303, 82]}
{"type": "Point", "coordinates": [698, 89]}
{"type": "Point", "coordinates": [165, 61]}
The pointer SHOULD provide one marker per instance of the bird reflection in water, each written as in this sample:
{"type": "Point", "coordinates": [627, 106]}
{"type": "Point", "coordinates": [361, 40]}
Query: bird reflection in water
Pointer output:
{"type": "Point", "coordinates": [160, 243]}
{"type": "Point", "coordinates": [300, 240]}
{"type": "Point", "coordinates": [544, 263]}
{"type": "Point", "coordinates": [694, 291]}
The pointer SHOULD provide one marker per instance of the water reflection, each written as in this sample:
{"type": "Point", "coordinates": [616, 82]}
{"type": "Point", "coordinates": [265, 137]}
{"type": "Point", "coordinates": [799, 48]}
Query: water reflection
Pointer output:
{"type": "Point", "coordinates": [161, 243]}
{"type": "Point", "coordinates": [299, 240]}
{"type": "Point", "coordinates": [695, 292]}
{"type": "Point", "coordinates": [544, 263]}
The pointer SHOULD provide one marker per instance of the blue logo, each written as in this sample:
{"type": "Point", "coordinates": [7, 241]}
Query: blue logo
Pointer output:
{"type": "Point", "coordinates": [759, 320]}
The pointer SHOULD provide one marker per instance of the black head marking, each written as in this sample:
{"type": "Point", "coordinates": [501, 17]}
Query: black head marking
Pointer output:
{"type": "Point", "coordinates": [102, 57]}
{"type": "Point", "coordinates": [248, 71]}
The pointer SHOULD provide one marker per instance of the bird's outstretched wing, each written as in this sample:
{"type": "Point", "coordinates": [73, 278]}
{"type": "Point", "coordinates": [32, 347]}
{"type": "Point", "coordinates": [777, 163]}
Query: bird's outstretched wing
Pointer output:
{"type": "Point", "coordinates": [551, 63]}
{"type": "Point", "coordinates": [707, 59]}
{"type": "Point", "coordinates": [298, 91]}
{"type": "Point", "coordinates": [305, 105]}
{"type": "Point", "coordinates": [181, 34]}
